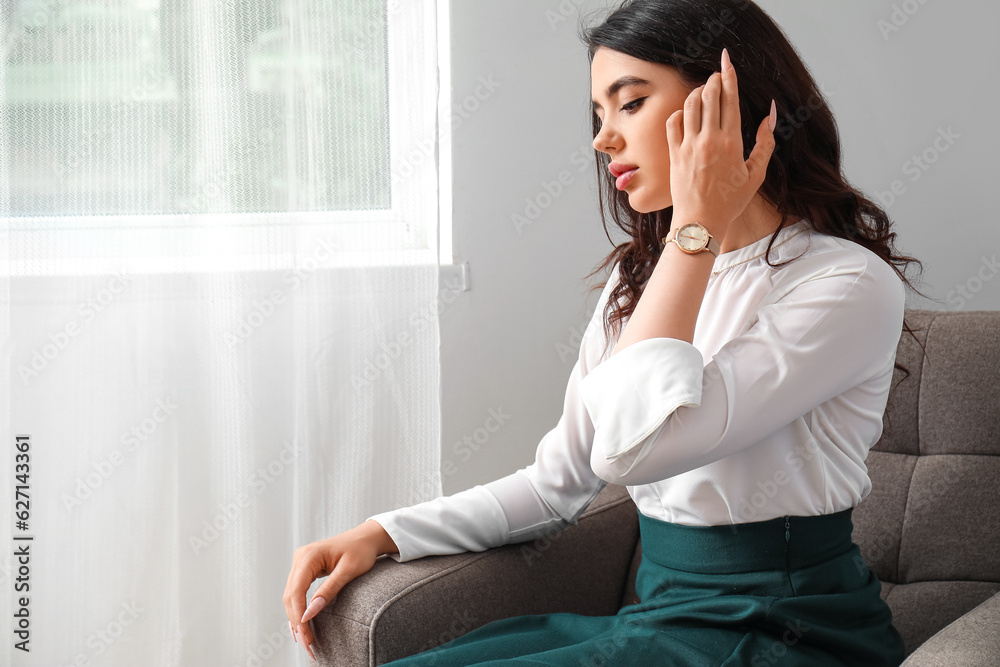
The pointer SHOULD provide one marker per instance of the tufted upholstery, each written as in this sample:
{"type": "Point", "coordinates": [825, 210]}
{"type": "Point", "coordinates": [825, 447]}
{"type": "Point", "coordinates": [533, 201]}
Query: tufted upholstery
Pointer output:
{"type": "Point", "coordinates": [930, 529]}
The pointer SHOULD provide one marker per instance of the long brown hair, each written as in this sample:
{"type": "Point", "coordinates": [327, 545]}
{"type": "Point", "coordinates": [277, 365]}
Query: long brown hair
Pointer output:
{"type": "Point", "coordinates": [804, 178]}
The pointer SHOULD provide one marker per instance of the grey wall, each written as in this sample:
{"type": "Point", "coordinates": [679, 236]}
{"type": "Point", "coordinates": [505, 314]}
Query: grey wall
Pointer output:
{"type": "Point", "coordinates": [509, 343]}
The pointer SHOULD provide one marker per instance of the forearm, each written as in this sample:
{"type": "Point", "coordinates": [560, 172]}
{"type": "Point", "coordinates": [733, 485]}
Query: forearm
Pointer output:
{"type": "Point", "coordinates": [381, 538]}
{"type": "Point", "coordinates": [672, 298]}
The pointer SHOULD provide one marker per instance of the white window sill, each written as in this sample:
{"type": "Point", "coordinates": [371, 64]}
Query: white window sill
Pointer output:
{"type": "Point", "coordinates": [158, 245]}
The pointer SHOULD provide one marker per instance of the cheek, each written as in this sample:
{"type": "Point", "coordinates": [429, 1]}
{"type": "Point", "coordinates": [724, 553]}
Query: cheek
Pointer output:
{"type": "Point", "coordinates": [659, 151]}
{"type": "Point", "coordinates": [656, 138]}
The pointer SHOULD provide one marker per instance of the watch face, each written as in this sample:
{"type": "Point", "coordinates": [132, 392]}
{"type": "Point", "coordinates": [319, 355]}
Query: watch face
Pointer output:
{"type": "Point", "coordinates": [692, 237]}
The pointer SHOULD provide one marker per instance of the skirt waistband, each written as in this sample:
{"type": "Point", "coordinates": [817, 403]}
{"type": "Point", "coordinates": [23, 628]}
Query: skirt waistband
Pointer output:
{"type": "Point", "coordinates": [746, 547]}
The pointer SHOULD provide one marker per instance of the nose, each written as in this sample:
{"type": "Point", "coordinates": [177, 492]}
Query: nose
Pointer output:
{"type": "Point", "coordinates": [607, 139]}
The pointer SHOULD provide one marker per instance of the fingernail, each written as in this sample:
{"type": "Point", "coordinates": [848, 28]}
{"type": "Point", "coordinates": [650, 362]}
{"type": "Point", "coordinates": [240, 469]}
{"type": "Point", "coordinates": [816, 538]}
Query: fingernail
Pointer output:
{"type": "Point", "coordinates": [292, 631]}
{"type": "Point", "coordinates": [309, 648]}
{"type": "Point", "coordinates": [772, 122]}
{"type": "Point", "coordinates": [314, 607]}
{"type": "Point", "coordinates": [727, 64]}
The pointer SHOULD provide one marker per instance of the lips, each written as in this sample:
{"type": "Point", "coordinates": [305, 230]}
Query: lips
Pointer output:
{"type": "Point", "coordinates": [622, 182]}
{"type": "Point", "coordinates": [619, 168]}
{"type": "Point", "coordinates": [623, 173]}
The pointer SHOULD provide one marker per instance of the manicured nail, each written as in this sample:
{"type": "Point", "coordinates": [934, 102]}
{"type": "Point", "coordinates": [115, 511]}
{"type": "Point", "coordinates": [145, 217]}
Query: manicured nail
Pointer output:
{"type": "Point", "coordinates": [292, 631]}
{"type": "Point", "coordinates": [772, 122]}
{"type": "Point", "coordinates": [727, 64]}
{"type": "Point", "coordinates": [314, 607]}
{"type": "Point", "coordinates": [309, 649]}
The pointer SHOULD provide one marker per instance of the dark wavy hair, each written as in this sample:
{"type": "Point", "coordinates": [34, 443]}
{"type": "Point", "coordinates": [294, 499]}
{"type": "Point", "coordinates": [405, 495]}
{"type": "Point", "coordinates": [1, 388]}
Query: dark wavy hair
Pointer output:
{"type": "Point", "coordinates": [804, 178]}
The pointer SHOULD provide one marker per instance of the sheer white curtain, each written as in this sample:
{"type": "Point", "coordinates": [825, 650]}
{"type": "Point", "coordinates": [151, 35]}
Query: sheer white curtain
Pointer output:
{"type": "Point", "coordinates": [218, 312]}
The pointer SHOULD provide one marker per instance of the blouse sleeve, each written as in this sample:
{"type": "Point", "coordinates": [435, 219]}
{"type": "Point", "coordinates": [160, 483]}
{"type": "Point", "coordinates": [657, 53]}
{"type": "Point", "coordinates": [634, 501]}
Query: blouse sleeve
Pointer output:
{"type": "Point", "coordinates": [471, 520]}
{"type": "Point", "coordinates": [538, 500]}
{"type": "Point", "coordinates": [659, 411]}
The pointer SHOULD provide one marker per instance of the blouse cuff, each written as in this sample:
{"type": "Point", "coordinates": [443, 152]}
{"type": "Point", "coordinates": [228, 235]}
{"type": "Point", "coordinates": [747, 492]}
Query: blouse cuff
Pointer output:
{"type": "Point", "coordinates": [470, 520]}
{"type": "Point", "coordinates": [630, 394]}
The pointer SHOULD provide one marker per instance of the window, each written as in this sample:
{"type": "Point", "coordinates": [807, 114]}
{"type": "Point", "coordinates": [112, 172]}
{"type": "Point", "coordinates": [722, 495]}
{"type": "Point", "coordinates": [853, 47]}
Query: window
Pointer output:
{"type": "Point", "coordinates": [152, 131]}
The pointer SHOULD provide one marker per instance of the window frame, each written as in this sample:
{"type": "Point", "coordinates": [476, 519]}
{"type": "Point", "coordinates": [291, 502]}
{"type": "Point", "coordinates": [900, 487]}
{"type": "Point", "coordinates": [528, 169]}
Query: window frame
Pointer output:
{"type": "Point", "coordinates": [406, 233]}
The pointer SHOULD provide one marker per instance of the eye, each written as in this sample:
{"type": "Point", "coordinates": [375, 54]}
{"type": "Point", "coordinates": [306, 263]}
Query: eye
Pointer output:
{"type": "Point", "coordinates": [633, 106]}
{"type": "Point", "coordinates": [629, 108]}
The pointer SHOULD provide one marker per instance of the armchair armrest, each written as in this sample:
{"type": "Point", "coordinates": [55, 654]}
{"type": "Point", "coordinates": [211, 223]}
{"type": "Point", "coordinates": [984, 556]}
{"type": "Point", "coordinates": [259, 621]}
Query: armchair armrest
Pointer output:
{"type": "Point", "coordinates": [398, 609]}
{"type": "Point", "coordinates": [972, 640]}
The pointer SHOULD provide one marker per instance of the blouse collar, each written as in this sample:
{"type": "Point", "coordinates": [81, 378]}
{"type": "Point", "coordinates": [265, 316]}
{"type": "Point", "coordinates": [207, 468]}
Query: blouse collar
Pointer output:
{"type": "Point", "coordinates": [758, 248]}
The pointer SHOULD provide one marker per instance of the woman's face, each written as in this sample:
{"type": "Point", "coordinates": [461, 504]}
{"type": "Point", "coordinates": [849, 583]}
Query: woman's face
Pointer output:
{"type": "Point", "coordinates": [634, 122]}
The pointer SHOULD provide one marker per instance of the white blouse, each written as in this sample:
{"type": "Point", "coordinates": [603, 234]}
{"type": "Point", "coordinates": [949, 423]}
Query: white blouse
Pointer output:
{"type": "Point", "coordinates": [770, 412]}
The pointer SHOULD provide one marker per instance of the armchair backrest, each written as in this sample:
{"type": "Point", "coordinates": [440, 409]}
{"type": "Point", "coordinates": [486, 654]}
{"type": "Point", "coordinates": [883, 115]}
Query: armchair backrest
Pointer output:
{"type": "Point", "coordinates": [930, 529]}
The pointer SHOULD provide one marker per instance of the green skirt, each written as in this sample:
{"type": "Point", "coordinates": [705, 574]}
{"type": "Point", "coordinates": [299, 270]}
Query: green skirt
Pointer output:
{"type": "Point", "coordinates": [789, 591]}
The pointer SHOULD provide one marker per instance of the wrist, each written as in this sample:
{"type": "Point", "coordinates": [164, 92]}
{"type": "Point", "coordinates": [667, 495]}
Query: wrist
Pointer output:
{"type": "Point", "coordinates": [681, 218]}
{"type": "Point", "coordinates": [374, 531]}
{"type": "Point", "coordinates": [693, 238]}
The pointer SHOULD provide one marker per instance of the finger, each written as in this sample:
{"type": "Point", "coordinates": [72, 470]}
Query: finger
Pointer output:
{"type": "Point", "coordinates": [710, 98]}
{"type": "Point", "coordinates": [327, 592]}
{"type": "Point", "coordinates": [307, 569]}
{"type": "Point", "coordinates": [344, 572]}
{"type": "Point", "coordinates": [730, 106]}
{"type": "Point", "coordinates": [291, 593]}
{"type": "Point", "coordinates": [760, 157]}
{"type": "Point", "coordinates": [692, 113]}
{"type": "Point", "coordinates": [675, 129]}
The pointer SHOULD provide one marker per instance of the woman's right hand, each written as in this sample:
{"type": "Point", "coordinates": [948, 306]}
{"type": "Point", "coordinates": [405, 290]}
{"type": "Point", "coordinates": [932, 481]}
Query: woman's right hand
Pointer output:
{"type": "Point", "coordinates": [340, 558]}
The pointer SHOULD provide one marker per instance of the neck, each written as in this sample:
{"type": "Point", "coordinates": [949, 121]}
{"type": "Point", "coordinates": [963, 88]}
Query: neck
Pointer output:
{"type": "Point", "coordinates": [760, 219]}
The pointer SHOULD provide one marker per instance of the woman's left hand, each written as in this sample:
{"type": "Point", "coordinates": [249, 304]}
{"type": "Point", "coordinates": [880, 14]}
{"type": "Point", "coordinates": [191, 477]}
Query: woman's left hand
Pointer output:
{"type": "Point", "coordinates": [709, 180]}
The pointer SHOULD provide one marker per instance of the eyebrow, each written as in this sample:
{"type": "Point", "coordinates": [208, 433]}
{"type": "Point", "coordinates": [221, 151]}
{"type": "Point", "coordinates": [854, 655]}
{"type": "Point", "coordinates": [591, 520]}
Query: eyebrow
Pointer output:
{"type": "Point", "coordinates": [624, 81]}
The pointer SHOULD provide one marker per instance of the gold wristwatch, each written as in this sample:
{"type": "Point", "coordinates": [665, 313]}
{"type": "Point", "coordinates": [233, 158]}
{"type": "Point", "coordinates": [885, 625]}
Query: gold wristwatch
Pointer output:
{"type": "Point", "coordinates": [693, 238]}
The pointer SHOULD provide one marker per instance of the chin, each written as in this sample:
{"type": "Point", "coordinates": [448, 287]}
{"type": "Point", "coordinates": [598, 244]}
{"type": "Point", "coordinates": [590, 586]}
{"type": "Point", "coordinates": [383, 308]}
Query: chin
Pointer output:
{"type": "Point", "coordinates": [640, 205]}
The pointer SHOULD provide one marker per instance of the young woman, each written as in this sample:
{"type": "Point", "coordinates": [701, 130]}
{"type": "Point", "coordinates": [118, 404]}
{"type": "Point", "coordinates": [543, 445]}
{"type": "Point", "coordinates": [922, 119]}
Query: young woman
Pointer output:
{"type": "Point", "coordinates": [763, 306]}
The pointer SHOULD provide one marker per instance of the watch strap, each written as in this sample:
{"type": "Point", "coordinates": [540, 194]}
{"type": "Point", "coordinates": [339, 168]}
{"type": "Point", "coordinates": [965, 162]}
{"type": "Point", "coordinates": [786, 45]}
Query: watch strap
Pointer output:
{"type": "Point", "coordinates": [713, 246]}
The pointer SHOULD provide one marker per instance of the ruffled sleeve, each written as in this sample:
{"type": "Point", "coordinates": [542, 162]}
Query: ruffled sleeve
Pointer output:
{"type": "Point", "coordinates": [660, 411]}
